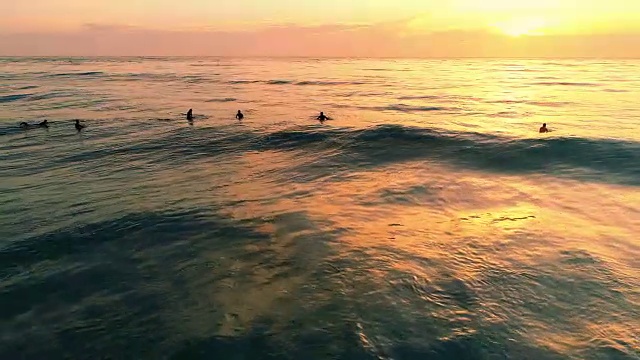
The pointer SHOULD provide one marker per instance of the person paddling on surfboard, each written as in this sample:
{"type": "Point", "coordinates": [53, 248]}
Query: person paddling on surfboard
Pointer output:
{"type": "Point", "coordinates": [544, 129]}
{"type": "Point", "coordinates": [79, 126]}
{"type": "Point", "coordinates": [322, 117]}
{"type": "Point", "coordinates": [27, 126]}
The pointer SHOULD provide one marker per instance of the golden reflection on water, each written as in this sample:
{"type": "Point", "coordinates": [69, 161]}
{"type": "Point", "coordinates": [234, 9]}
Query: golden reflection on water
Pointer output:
{"type": "Point", "coordinates": [428, 220]}
{"type": "Point", "coordinates": [510, 97]}
{"type": "Point", "coordinates": [405, 205]}
{"type": "Point", "coordinates": [552, 259]}
{"type": "Point", "coordinates": [508, 240]}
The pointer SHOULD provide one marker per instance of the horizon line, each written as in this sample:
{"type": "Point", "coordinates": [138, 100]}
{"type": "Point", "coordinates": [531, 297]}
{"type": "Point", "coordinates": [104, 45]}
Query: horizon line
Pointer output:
{"type": "Point", "coordinates": [326, 57]}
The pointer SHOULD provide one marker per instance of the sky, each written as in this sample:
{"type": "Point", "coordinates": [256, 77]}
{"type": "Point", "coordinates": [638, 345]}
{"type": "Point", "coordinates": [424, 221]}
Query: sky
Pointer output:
{"type": "Point", "coordinates": [332, 28]}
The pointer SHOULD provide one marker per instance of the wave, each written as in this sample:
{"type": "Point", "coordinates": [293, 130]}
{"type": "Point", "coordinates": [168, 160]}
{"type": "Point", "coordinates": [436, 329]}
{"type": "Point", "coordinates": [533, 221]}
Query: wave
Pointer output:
{"type": "Point", "coordinates": [50, 95]}
{"type": "Point", "coordinates": [34, 97]}
{"type": "Point", "coordinates": [222, 100]}
{"type": "Point", "coordinates": [329, 83]}
{"type": "Point", "coordinates": [73, 74]}
{"type": "Point", "coordinates": [27, 87]}
{"type": "Point", "coordinates": [602, 160]}
{"type": "Point", "coordinates": [346, 149]}
{"type": "Point", "coordinates": [244, 81]}
{"type": "Point", "coordinates": [536, 103]}
{"type": "Point", "coordinates": [129, 76]}
{"type": "Point", "coordinates": [508, 115]}
{"type": "Point", "coordinates": [143, 76]}
{"type": "Point", "coordinates": [405, 108]}
{"type": "Point", "coordinates": [599, 160]}
{"type": "Point", "coordinates": [517, 67]}
{"type": "Point", "coordinates": [15, 97]}
{"type": "Point", "coordinates": [565, 64]}
{"type": "Point", "coordinates": [298, 83]}
{"type": "Point", "coordinates": [419, 97]}
{"type": "Point", "coordinates": [278, 82]}
{"type": "Point", "coordinates": [562, 83]}
{"type": "Point", "coordinates": [194, 79]}
{"type": "Point", "coordinates": [549, 103]}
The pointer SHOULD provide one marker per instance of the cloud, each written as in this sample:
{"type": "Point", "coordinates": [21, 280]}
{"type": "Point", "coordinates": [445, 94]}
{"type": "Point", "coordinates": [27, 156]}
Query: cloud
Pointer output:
{"type": "Point", "coordinates": [340, 40]}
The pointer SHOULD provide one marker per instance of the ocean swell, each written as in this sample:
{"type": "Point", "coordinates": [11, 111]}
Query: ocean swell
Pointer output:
{"type": "Point", "coordinates": [76, 74]}
{"type": "Point", "coordinates": [613, 161]}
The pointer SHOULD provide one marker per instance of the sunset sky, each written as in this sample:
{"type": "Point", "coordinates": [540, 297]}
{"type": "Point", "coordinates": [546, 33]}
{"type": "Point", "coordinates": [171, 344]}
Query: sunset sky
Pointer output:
{"type": "Point", "coordinates": [378, 28]}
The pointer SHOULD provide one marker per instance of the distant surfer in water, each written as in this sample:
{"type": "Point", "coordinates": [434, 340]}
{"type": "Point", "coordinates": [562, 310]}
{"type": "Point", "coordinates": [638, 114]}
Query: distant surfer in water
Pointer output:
{"type": "Point", "coordinates": [190, 115]}
{"type": "Point", "coordinates": [239, 115]}
{"type": "Point", "coordinates": [544, 129]}
{"type": "Point", "coordinates": [322, 117]}
{"type": "Point", "coordinates": [27, 126]}
{"type": "Point", "coordinates": [79, 126]}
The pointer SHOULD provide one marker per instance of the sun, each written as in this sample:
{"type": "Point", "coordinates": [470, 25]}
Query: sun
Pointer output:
{"type": "Point", "coordinates": [522, 27]}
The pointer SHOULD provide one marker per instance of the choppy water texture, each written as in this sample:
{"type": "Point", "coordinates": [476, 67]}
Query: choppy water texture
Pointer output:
{"type": "Point", "coordinates": [427, 220]}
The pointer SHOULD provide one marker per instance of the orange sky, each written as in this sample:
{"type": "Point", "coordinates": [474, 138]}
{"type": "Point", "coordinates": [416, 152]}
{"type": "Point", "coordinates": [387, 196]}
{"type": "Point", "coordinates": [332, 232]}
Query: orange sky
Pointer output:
{"type": "Point", "coordinates": [379, 28]}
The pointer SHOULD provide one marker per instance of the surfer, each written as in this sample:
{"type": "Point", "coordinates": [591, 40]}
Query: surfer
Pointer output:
{"type": "Point", "coordinates": [79, 126]}
{"type": "Point", "coordinates": [239, 115]}
{"type": "Point", "coordinates": [190, 115]}
{"type": "Point", "coordinates": [27, 126]}
{"type": "Point", "coordinates": [544, 129]}
{"type": "Point", "coordinates": [322, 117]}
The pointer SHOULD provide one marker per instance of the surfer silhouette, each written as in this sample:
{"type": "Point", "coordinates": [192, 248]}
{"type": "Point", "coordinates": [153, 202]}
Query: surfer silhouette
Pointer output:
{"type": "Point", "coordinates": [190, 114]}
{"type": "Point", "coordinates": [26, 126]}
{"type": "Point", "coordinates": [239, 115]}
{"type": "Point", "coordinates": [544, 129]}
{"type": "Point", "coordinates": [322, 117]}
{"type": "Point", "coordinates": [79, 126]}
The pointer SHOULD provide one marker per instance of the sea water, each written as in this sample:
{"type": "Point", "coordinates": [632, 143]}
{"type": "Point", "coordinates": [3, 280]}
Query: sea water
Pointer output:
{"type": "Point", "coordinates": [427, 220]}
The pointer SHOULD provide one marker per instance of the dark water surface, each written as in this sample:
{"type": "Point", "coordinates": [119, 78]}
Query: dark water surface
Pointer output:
{"type": "Point", "coordinates": [428, 220]}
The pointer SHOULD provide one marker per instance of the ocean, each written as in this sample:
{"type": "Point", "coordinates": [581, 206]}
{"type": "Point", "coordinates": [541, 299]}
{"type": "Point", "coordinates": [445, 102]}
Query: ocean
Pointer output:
{"type": "Point", "coordinates": [428, 219]}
